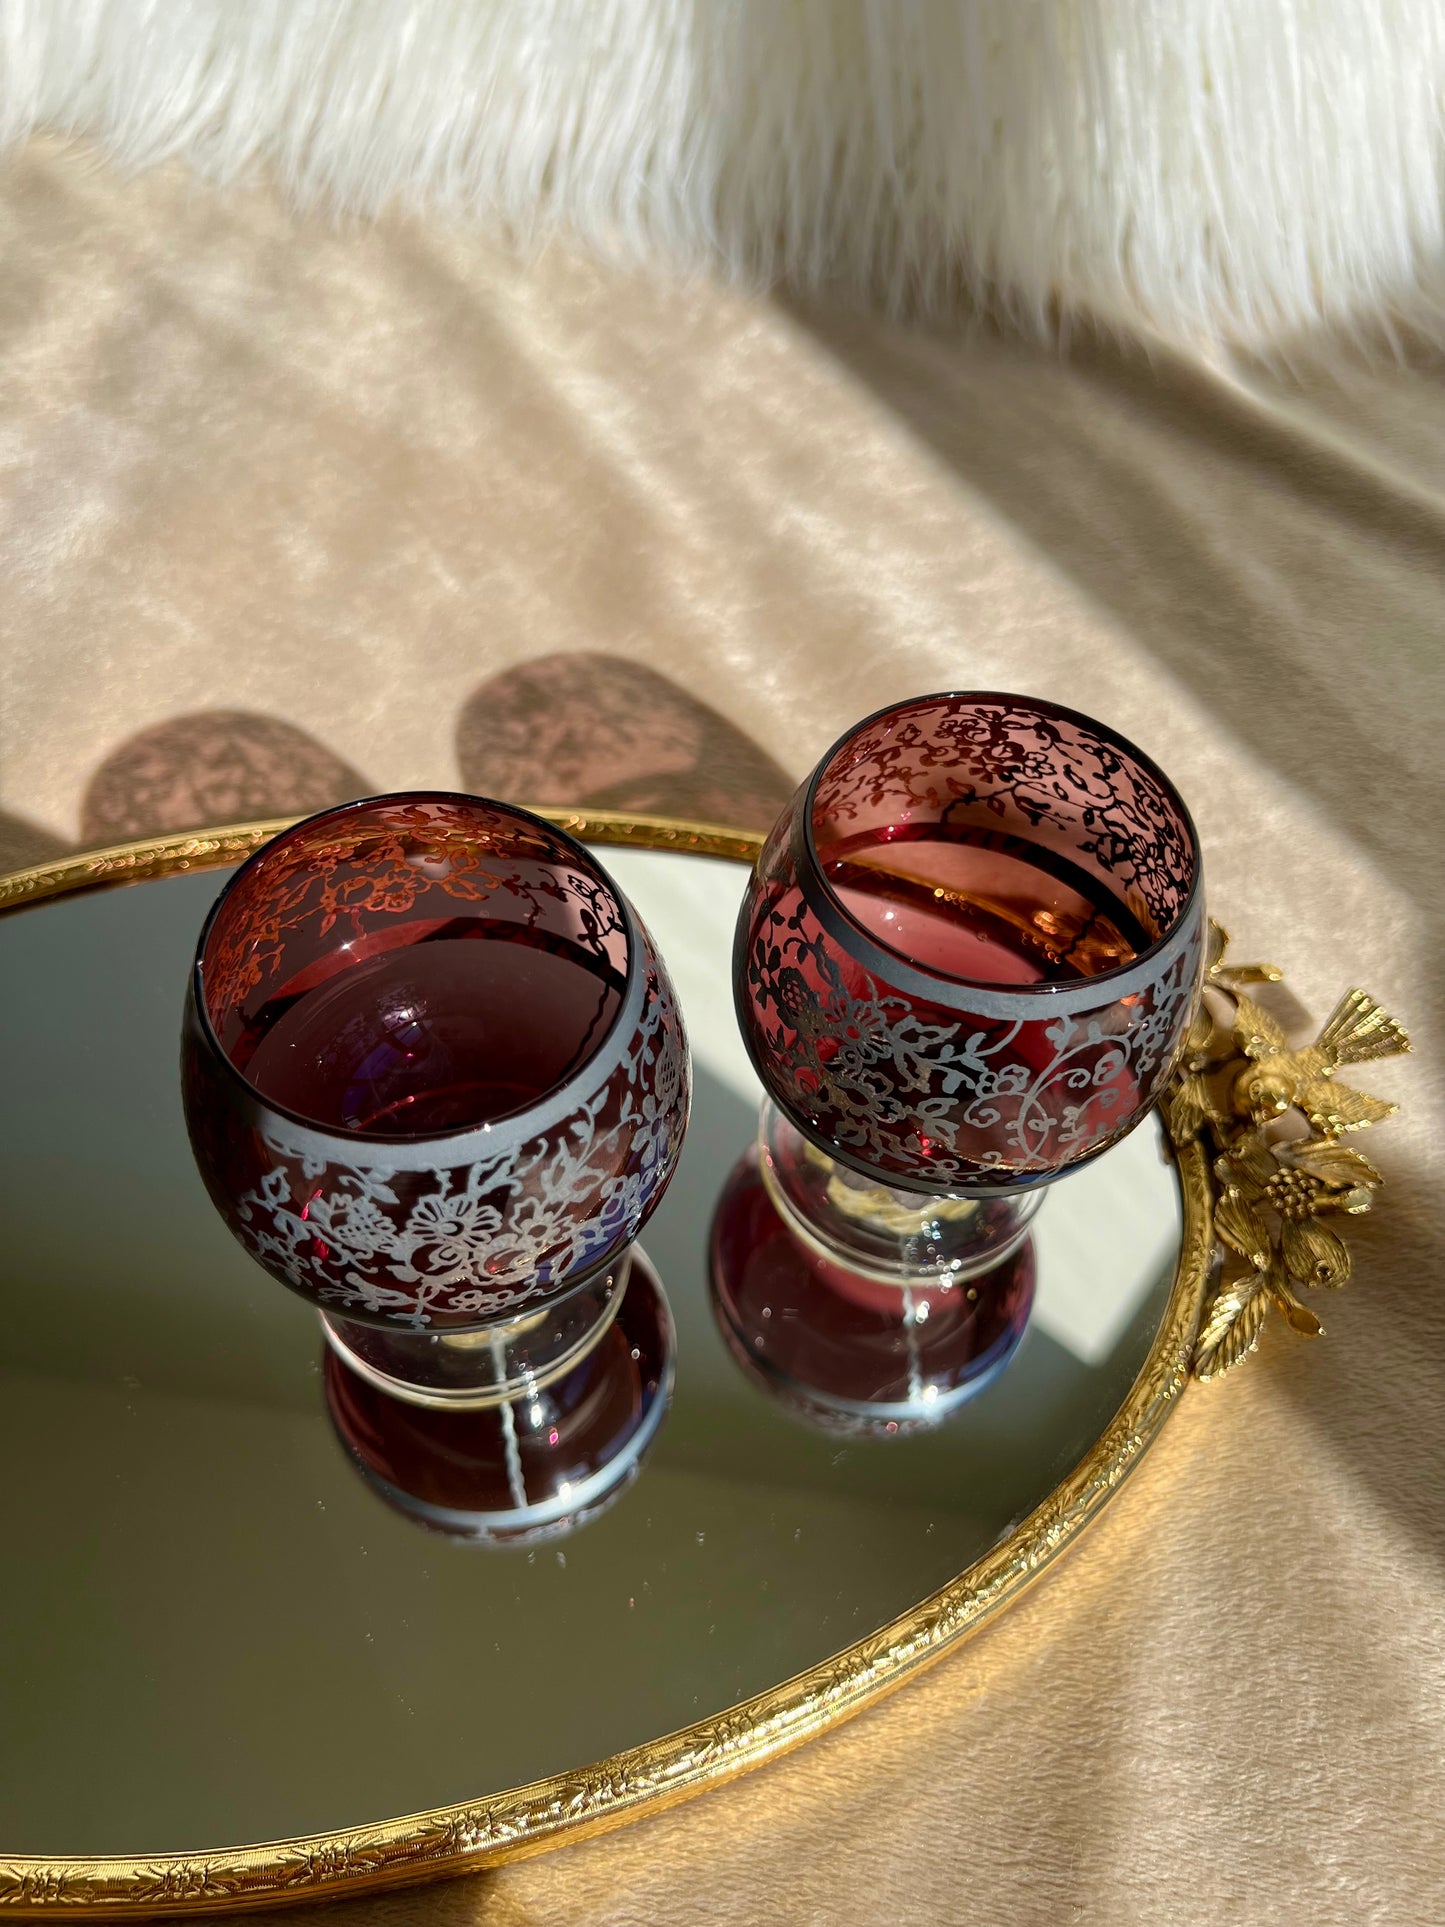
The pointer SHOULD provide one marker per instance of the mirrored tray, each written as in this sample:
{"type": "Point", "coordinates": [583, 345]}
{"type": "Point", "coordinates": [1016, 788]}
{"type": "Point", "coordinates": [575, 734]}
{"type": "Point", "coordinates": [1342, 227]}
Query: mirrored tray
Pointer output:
{"type": "Point", "coordinates": [214, 1633]}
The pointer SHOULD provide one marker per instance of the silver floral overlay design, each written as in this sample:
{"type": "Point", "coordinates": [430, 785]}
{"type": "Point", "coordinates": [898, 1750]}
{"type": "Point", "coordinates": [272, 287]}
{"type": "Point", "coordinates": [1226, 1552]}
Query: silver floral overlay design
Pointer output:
{"type": "Point", "coordinates": [979, 760]}
{"type": "Point", "coordinates": [485, 1239]}
{"type": "Point", "coordinates": [1013, 1097]}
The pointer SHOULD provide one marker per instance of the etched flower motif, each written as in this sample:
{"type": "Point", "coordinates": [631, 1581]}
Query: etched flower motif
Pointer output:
{"type": "Point", "coordinates": [623, 1197]}
{"type": "Point", "coordinates": [450, 1234]}
{"type": "Point", "coordinates": [1034, 764]}
{"type": "Point", "coordinates": [1156, 1033]}
{"type": "Point", "coordinates": [485, 1303]}
{"type": "Point", "coordinates": [354, 1223]}
{"type": "Point", "coordinates": [996, 1081]}
{"type": "Point", "coordinates": [651, 1132]}
{"type": "Point", "coordinates": [787, 989]}
{"type": "Point", "coordinates": [970, 726]}
{"type": "Point", "coordinates": [997, 757]}
{"type": "Point", "coordinates": [1081, 1122]}
{"type": "Point", "coordinates": [864, 1037]}
{"type": "Point", "coordinates": [667, 1083]}
{"type": "Point", "coordinates": [533, 1229]}
{"type": "Point", "coordinates": [867, 1091]}
{"type": "Point", "coordinates": [394, 893]}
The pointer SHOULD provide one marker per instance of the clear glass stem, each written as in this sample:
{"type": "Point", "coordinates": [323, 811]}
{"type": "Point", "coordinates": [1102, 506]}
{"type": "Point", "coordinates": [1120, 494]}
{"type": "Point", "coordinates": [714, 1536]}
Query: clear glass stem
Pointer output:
{"type": "Point", "coordinates": [876, 1231]}
{"type": "Point", "coordinates": [488, 1365]}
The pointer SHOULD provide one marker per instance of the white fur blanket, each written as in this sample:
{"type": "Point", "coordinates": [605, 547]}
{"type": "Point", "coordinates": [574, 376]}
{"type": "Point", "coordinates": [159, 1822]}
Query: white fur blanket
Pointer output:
{"type": "Point", "coordinates": [1239, 170]}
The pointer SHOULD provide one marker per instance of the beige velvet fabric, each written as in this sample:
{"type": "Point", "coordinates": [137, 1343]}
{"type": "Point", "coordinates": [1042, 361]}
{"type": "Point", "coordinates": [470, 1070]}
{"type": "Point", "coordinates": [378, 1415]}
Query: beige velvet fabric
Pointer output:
{"type": "Point", "coordinates": [292, 510]}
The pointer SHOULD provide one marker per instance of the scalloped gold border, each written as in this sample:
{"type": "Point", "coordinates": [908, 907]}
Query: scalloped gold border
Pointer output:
{"type": "Point", "coordinates": [571, 1806]}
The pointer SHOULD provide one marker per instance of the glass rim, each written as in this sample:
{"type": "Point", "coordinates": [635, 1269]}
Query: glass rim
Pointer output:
{"type": "Point", "coordinates": [865, 947]}
{"type": "Point", "coordinates": [547, 1101]}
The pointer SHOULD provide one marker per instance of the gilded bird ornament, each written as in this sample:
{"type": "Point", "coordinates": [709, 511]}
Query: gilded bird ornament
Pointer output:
{"type": "Point", "coordinates": [1275, 1190]}
{"type": "Point", "coordinates": [1277, 1079]}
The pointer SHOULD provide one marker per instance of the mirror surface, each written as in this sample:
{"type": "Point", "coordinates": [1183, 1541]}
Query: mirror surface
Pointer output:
{"type": "Point", "coordinates": [212, 1631]}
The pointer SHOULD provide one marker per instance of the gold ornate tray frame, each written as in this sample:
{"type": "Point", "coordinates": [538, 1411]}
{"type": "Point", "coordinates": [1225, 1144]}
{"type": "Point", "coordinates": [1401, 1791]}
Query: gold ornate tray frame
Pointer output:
{"type": "Point", "coordinates": [1223, 1314]}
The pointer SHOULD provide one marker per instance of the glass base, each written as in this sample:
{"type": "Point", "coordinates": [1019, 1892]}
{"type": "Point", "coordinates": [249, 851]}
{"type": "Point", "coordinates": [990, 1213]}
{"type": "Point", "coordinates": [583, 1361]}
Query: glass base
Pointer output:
{"type": "Point", "coordinates": [847, 1352]}
{"type": "Point", "coordinates": [466, 1370]}
{"type": "Point", "coordinates": [531, 1470]}
{"type": "Point", "coordinates": [878, 1231]}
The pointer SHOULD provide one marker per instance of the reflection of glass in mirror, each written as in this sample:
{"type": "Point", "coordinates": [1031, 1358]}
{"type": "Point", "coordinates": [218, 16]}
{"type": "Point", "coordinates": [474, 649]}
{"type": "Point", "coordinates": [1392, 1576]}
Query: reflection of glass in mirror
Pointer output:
{"type": "Point", "coordinates": [966, 965]}
{"type": "Point", "coordinates": [849, 1353]}
{"type": "Point", "coordinates": [435, 1081]}
{"type": "Point", "coordinates": [527, 1471]}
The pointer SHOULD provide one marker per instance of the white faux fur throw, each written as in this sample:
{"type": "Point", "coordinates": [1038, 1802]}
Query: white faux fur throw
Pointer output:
{"type": "Point", "coordinates": [1212, 169]}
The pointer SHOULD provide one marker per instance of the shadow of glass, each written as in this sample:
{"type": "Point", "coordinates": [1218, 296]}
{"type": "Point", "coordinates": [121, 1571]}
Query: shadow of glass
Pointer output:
{"type": "Point", "coordinates": [216, 766]}
{"type": "Point", "coordinates": [602, 732]}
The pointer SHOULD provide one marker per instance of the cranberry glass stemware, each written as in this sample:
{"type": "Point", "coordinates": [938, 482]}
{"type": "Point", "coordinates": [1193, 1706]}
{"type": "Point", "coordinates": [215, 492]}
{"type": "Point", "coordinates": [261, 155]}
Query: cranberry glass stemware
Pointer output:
{"type": "Point", "coordinates": [435, 1081]}
{"type": "Point", "coordinates": [966, 964]}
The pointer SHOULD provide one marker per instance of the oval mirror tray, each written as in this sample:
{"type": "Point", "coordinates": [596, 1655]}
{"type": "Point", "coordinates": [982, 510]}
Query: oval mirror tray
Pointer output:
{"type": "Point", "coordinates": [215, 1632]}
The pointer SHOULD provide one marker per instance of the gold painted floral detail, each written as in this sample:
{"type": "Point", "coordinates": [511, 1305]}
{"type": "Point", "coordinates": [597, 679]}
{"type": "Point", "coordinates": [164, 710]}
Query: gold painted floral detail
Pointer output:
{"type": "Point", "coordinates": [1272, 1118]}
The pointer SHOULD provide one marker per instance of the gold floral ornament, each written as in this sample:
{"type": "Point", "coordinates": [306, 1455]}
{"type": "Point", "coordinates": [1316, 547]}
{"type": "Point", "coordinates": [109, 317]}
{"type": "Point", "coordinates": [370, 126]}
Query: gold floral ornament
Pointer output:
{"type": "Point", "coordinates": [1274, 1117]}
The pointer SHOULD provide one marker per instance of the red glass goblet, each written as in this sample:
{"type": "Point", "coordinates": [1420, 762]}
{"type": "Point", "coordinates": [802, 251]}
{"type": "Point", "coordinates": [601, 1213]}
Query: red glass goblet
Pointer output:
{"type": "Point", "coordinates": [965, 965]}
{"type": "Point", "coordinates": [531, 1470]}
{"type": "Point", "coordinates": [436, 1081]}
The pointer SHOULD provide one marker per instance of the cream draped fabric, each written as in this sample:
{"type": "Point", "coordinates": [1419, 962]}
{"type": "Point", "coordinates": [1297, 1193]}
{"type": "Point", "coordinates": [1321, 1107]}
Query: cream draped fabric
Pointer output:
{"type": "Point", "coordinates": [292, 510]}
